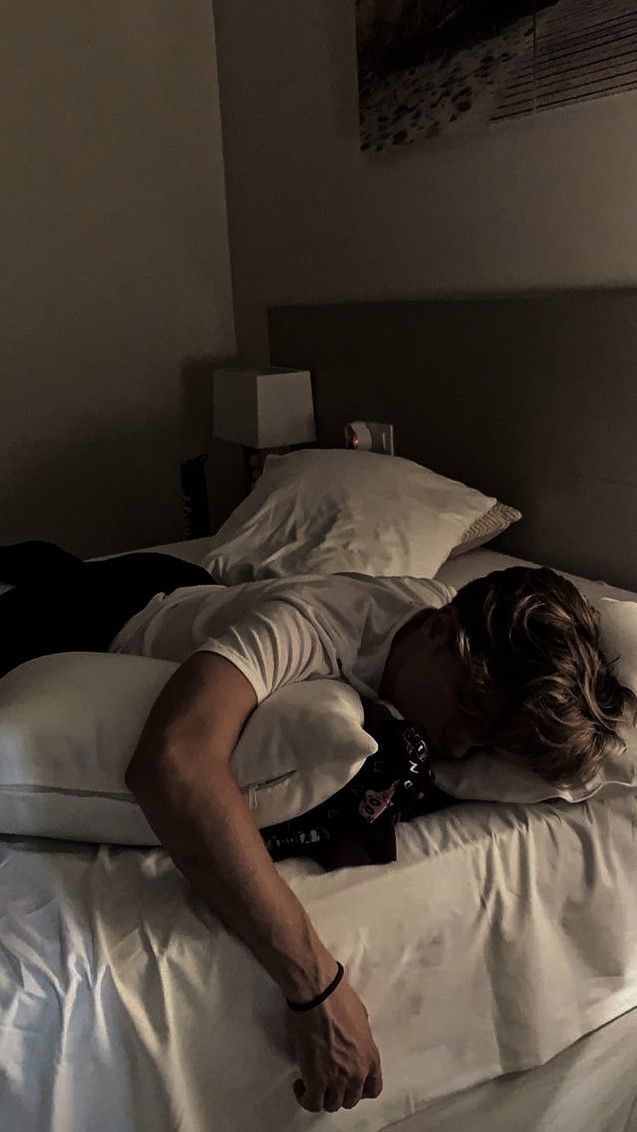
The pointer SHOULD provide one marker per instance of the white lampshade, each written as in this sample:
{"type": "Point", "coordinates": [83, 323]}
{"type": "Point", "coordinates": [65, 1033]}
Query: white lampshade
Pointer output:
{"type": "Point", "coordinates": [263, 408]}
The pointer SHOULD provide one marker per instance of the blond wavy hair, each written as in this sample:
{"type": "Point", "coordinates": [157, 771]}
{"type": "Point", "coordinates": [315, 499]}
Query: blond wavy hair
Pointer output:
{"type": "Point", "coordinates": [538, 678]}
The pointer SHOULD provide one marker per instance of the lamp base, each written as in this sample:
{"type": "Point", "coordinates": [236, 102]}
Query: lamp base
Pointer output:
{"type": "Point", "coordinates": [194, 488]}
{"type": "Point", "coordinates": [254, 460]}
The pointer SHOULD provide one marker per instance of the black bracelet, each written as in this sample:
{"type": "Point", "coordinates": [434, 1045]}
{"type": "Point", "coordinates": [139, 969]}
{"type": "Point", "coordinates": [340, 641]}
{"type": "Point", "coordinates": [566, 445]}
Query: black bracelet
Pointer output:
{"type": "Point", "coordinates": [320, 997]}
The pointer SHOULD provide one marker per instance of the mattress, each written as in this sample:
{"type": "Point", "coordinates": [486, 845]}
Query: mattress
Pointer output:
{"type": "Point", "coordinates": [498, 938]}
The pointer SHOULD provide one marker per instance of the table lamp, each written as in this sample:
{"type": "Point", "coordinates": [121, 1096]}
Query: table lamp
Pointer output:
{"type": "Point", "coordinates": [263, 409]}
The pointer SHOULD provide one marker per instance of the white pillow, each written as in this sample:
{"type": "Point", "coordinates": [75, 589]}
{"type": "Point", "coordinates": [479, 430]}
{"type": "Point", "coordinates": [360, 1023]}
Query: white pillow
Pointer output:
{"type": "Point", "coordinates": [486, 528]}
{"type": "Point", "coordinates": [69, 724]}
{"type": "Point", "coordinates": [490, 777]}
{"type": "Point", "coordinates": [337, 511]}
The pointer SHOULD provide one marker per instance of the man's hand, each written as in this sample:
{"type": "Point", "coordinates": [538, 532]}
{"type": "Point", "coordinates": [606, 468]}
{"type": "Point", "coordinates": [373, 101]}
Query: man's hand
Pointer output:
{"type": "Point", "coordinates": [337, 1055]}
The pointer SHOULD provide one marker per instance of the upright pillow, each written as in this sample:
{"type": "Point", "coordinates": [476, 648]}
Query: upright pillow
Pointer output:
{"type": "Point", "coordinates": [69, 724]}
{"type": "Point", "coordinates": [486, 528]}
{"type": "Point", "coordinates": [337, 511]}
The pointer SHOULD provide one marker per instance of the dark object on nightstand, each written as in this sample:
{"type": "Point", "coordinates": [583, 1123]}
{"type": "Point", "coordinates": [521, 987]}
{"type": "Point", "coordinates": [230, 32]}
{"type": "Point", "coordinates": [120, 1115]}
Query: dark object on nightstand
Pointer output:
{"type": "Point", "coordinates": [194, 489]}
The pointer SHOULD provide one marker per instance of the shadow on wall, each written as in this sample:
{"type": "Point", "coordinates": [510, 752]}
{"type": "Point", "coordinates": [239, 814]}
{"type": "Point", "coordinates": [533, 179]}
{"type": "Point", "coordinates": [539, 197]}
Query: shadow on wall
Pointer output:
{"type": "Point", "coordinates": [225, 471]}
{"type": "Point", "coordinates": [118, 486]}
{"type": "Point", "coordinates": [109, 491]}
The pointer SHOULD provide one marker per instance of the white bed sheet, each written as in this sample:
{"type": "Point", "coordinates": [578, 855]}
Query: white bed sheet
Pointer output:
{"type": "Point", "coordinates": [498, 938]}
{"type": "Point", "coordinates": [589, 1087]}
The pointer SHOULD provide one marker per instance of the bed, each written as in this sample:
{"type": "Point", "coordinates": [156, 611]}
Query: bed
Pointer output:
{"type": "Point", "coordinates": [497, 955]}
{"type": "Point", "coordinates": [127, 1005]}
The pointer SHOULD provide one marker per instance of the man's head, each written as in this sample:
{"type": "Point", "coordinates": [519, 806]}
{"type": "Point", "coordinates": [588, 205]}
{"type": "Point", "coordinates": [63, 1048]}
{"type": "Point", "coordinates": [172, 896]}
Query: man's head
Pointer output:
{"type": "Point", "coordinates": [513, 662]}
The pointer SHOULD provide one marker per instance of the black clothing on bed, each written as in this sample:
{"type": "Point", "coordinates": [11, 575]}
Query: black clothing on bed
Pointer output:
{"type": "Point", "coordinates": [357, 826]}
{"type": "Point", "coordinates": [61, 604]}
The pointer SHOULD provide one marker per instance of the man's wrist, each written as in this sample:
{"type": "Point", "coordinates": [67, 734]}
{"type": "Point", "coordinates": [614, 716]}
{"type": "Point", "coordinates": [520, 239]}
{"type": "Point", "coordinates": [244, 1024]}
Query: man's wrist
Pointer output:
{"type": "Point", "coordinates": [319, 998]}
{"type": "Point", "coordinates": [304, 985]}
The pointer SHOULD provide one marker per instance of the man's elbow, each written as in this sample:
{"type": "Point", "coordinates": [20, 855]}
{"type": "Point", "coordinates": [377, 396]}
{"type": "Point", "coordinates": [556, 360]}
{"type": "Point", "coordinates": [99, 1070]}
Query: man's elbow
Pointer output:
{"type": "Point", "coordinates": [169, 770]}
{"type": "Point", "coordinates": [153, 764]}
{"type": "Point", "coordinates": [140, 772]}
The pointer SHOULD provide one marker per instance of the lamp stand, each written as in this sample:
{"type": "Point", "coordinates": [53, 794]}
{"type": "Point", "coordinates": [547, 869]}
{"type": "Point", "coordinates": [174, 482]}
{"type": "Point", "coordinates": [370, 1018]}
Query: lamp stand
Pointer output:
{"type": "Point", "coordinates": [254, 459]}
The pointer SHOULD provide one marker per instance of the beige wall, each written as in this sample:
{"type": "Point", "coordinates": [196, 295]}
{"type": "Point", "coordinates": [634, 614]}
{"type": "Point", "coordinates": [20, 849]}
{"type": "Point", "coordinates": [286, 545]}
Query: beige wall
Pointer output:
{"type": "Point", "coordinates": [115, 265]}
{"type": "Point", "coordinates": [549, 201]}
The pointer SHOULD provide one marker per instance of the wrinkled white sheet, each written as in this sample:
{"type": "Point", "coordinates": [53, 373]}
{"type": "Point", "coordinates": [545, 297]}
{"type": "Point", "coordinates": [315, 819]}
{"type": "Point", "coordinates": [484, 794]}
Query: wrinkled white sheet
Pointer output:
{"type": "Point", "coordinates": [500, 936]}
{"type": "Point", "coordinates": [589, 1087]}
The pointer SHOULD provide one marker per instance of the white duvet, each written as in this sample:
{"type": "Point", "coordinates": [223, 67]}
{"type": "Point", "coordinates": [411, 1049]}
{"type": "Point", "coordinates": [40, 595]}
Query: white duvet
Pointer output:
{"type": "Point", "coordinates": [499, 937]}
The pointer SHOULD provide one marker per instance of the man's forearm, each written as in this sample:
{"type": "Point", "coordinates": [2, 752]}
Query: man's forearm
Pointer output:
{"type": "Point", "coordinates": [213, 840]}
{"type": "Point", "coordinates": [199, 814]}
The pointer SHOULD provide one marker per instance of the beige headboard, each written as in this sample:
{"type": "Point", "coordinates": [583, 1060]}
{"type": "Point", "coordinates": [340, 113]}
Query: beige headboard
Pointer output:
{"type": "Point", "coordinates": [531, 398]}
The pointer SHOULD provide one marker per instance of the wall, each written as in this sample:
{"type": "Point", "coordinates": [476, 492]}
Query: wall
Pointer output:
{"type": "Point", "coordinates": [548, 201]}
{"type": "Point", "coordinates": [115, 265]}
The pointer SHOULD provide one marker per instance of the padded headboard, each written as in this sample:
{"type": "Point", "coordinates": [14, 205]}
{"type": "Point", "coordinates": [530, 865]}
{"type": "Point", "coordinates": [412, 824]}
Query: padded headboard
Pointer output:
{"type": "Point", "coordinates": [531, 398]}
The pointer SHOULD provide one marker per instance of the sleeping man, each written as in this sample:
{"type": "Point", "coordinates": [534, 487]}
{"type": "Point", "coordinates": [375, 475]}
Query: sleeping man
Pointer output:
{"type": "Point", "coordinates": [512, 661]}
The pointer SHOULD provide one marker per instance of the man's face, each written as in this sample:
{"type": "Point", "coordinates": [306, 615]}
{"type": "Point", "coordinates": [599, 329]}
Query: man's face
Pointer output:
{"type": "Point", "coordinates": [428, 686]}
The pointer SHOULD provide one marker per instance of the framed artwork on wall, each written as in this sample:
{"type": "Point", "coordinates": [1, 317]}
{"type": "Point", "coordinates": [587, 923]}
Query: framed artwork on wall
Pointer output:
{"type": "Point", "coordinates": [431, 67]}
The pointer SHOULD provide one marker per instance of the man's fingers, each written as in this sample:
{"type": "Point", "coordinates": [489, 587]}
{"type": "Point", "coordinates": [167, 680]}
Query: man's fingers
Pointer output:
{"type": "Point", "coordinates": [374, 1084]}
{"type": "Point", "coordinates": [333, 1100]}
{"type": "Point", "coordinates": [353, 1096]}
{"type": "Point", "coordinates": [311, 1102]}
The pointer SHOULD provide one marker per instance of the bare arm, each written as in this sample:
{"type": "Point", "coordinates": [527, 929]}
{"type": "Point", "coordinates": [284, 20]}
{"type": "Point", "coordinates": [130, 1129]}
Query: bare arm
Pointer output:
{"type": "Point", "coordinates": [181, 778]}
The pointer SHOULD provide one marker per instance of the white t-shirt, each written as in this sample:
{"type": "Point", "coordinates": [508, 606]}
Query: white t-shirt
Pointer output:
{"type": "Point", "coordinates": [285, 629]}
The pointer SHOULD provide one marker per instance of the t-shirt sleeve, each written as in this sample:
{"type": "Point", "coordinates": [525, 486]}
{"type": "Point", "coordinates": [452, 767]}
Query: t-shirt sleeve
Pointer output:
{"type": "Point", "coordinates": [275, 644]}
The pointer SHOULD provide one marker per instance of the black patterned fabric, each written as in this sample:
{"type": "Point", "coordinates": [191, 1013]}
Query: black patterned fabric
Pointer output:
{"type": "Point", "coordinates": [357, 826]}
